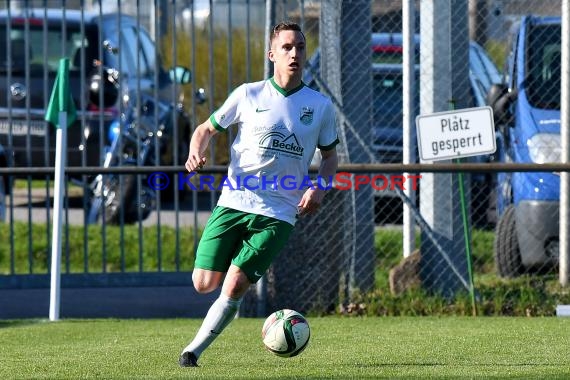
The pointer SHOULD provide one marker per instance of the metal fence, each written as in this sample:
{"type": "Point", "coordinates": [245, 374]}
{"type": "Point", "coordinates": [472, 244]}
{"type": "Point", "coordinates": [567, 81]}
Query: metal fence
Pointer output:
{"type": "Point", "coordinates": [450, 229]}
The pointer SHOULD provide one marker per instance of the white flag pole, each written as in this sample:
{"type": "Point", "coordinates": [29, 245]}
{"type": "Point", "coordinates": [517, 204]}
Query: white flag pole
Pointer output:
{"type": "Point", "coordinates": [60, 158]}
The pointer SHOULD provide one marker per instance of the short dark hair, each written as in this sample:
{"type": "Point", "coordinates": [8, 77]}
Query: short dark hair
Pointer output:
{"type": "Point", "coordinates": [285, 25]}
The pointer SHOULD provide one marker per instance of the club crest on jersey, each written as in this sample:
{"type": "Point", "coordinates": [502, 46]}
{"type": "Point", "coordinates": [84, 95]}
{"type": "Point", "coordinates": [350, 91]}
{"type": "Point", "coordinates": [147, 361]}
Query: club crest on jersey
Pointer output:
{"type": "Point", "coordinates": [306, 115]}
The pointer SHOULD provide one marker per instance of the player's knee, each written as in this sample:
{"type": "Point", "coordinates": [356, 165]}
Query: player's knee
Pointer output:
{"type": "Point", "coordinates": [204, 289]}
{"type": "Point", "coordinates": [204, 284]}
{"type": "Point", "coordinates": [236, 285]}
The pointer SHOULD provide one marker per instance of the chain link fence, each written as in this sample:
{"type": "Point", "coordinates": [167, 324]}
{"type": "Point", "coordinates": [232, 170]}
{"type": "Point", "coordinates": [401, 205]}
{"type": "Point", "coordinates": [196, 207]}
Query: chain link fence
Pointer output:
{"type": "Point", "coordinates": [455, 231]}
{"type": "Point", "coordinates": [464, 228]}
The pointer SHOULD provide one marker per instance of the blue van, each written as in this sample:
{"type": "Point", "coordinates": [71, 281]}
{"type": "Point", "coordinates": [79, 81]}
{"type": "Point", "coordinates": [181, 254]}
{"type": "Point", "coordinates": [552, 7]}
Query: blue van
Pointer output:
{"type": "Point", "coordinates": [527, 115]}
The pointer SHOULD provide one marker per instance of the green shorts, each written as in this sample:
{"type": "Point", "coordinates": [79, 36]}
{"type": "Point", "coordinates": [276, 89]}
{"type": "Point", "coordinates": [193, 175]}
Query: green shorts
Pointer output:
{"type": "Point", "coordinates": [248, 241]}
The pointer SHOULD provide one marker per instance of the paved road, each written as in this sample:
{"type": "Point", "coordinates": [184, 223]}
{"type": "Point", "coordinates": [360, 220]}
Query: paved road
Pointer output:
{"type": "Point", "coordinates": [35, 205]}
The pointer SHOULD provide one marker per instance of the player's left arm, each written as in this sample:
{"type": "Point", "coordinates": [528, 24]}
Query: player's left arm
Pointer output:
{"type": "Point", "coordinates": [329, 163]}
{"type": "Point", "coordinates": [313, 197]}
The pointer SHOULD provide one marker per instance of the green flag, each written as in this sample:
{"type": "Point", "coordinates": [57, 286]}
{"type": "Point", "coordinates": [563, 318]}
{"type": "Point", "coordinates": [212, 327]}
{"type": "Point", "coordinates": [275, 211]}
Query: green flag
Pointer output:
{"type": "Point", "coordinates": [61, 99]}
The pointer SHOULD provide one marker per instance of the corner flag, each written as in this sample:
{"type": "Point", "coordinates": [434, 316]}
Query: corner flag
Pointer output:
{"type": "Point", "coordinates": [61, 99]}
{"type": "Point", "coordinates": [61, 113]}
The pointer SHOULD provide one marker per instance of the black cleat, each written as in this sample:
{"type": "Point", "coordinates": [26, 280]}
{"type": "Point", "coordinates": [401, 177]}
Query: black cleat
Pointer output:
{"type": "Point", "coordinates": [188, 359]}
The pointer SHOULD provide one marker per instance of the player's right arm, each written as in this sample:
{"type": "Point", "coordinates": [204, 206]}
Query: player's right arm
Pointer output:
{"type": "Point", "coordinates": [224, 116]}
{"type": "Point", "coordinates": [198, 145]}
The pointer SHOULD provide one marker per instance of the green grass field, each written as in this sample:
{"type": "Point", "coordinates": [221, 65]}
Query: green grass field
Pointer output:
{"type": "Point", "coordinates": [340, 348]}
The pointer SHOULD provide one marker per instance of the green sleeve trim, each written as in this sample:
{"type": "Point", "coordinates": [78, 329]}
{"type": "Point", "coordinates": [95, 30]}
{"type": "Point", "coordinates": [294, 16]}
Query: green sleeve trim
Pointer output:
{"type": "Point", "coordinates": [328, 147]}
{"type": "Point", "coordinates": [215, 124]}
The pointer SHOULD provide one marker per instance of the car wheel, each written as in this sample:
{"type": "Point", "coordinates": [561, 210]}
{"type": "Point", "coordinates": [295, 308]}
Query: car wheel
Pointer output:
{"type": "Point", "coordinates": [507, 251]}
{"type": "Point", "coordinates": [122, 195]}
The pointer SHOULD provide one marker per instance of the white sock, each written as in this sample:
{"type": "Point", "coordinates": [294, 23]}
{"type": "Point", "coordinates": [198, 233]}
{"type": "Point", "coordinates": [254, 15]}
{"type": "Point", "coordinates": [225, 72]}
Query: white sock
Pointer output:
{"type": "Point", "coordinates": [221, 313]}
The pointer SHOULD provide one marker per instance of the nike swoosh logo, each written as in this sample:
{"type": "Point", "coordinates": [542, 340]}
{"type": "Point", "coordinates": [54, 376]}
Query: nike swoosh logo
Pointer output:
{"type": "Point", "coordinates": [257, 274]}
{"type": "Point", "coordinates": [261, 110]}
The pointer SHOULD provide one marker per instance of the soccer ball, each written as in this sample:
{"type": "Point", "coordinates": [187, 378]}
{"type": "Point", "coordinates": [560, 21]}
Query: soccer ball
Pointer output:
{"type": "Point", "coordinates": [285, 333]}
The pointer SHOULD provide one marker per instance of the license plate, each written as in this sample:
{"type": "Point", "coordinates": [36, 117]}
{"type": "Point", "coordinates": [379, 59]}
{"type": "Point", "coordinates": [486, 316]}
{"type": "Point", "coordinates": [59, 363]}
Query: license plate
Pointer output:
{"type": "Point", "coordinates": [23, 128]}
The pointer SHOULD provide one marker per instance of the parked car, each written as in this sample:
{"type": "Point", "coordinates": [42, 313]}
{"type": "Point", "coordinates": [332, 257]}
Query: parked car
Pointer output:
{"type": "Point", "coordinates": [387, 71]}
{"type": "Point", "coordinates": [526, 109]}
{"type": "Point", "coordinates": [136, 106]}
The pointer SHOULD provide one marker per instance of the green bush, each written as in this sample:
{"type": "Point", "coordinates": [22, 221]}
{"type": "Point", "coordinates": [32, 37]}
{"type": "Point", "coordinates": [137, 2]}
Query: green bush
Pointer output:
{"type": "Point", "coordinates": [498, 52]}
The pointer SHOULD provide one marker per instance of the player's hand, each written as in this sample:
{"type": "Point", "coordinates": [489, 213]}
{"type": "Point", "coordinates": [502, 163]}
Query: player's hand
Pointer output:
{"type": "Point", "coordinates": [195, 162]}
{"type": "Point", "coordinates": [311, 201]}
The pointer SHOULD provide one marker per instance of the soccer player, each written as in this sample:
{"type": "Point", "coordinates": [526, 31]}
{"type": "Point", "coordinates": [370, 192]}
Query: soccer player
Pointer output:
{"type": "Point", "coordinates": [280, 122]}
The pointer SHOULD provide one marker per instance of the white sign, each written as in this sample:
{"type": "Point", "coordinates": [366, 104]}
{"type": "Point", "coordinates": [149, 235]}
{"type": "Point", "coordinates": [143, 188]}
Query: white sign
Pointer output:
{"type": "Point", "coordinates": [454, 134]}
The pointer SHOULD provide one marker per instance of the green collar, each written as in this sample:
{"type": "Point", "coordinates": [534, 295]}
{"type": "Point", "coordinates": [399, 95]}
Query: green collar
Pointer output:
{"type": "Point", "coordinates": [283, 91]}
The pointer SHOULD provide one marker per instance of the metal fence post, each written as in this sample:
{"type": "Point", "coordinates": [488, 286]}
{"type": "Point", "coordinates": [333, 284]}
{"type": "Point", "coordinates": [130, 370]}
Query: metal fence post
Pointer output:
{"type": "Point", "coordinates": [443, 74]}
{"type": "Point", "coordinates": [565, 141]}
{"type": "Point", "coordinates": [346, 65]}
{"type": "Point", "coordinates": [408, 91]}
{"type": "Point", "coordinates": [261, 286]}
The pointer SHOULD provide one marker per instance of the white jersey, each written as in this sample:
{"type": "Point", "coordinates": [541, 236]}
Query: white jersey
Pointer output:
{"type": "Point", "coordinates": [277, 135]}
